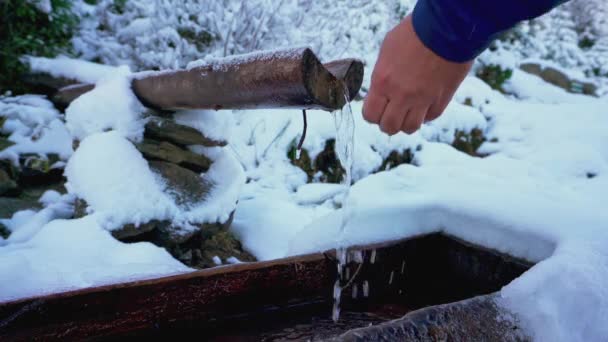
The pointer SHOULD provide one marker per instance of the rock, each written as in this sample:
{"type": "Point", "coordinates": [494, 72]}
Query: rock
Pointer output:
{"type": "Point", "coordinates": [130, 231]}
{"type": "Point", "coordinates": [8, 186]}
{"type": "Point", "coordinates": [224, 245]}
{"type": "Point", "coordinates": [166, 151]}
{"type": "Point", "coordinates": [37, 170]}
{"type": "Point", "coordinates": [560, 79]}
{"type": "Point", "coordinates": [162, 129]}
{"type": "Point", "coordinates": [186, 187]}
{"type": "Point", "coordinates": [475, 319]}
{"type": "Point", "coordinates": [9, 205]}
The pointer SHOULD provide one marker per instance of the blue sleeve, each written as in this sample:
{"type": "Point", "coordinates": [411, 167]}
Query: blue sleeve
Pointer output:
{"type": "Point", "coordinates": [459, 30]}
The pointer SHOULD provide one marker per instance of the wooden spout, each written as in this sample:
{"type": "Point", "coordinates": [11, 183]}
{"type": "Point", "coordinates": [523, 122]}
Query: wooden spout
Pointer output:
{"type": "Point", "coordinates": [292, 78]}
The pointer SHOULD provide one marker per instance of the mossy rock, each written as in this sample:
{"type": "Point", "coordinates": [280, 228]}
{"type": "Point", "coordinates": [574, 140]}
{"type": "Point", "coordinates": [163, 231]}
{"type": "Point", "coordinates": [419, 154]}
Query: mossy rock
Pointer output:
{"type": "Point", "coordinates": [8, 186]}
{"type": "Point", "coordinates": [37, 170]}
{"type": "Point", "coordinates": [223, 245]}
{"type": "Point", "coordinates": [186, 187]}
{"type": "Point", "coordinates": [11, 205]}
{"type": "Point", "coordinates": [165, 151]}
{"type": "Point", "coordinates": [469, 142]}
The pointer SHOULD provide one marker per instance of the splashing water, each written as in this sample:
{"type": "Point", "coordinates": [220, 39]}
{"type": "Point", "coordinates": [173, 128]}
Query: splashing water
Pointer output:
{"type": "Point", "coordinates": [345, 141]}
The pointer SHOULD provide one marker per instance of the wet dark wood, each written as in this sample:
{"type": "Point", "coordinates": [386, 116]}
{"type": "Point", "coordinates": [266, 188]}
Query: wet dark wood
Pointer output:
{"type": "Point", "coordinates": [217, 294]}
{"type": "Point", "coordinates": [278, 298]}
{"type": "Point", "coordinates": [285, 79]}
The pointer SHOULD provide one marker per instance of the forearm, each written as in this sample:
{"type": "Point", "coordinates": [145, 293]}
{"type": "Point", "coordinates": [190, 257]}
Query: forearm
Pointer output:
{"type": "Point", "coordinates": [460, 30]}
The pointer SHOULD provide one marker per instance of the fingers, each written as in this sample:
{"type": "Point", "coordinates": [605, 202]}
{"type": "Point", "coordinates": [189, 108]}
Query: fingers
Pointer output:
{"type": "Point", "coordinates": [414, 119]}
{"type": "Point", "coordinates": [437, 108]}
{"type": "Point", "coordinates": [393, 116]}
{"type": "Point", "coordinates": [374, 107]}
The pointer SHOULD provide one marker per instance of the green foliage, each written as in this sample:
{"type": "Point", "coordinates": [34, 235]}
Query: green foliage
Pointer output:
{"type": "Point", "coordinates": [494, 75]}
{"type": "Point", "coordinates": [326, 166]}
{"type": "Point", "coordinates": [586, 43]}
{"type": "Point", "coordinates": [201, 39]}
{"type": "Point", "coordinates": [25, 30]}
{"type": "Point", "coordinates": [469, 142]}
{"type": "Point", "coordinates": [119, 6]}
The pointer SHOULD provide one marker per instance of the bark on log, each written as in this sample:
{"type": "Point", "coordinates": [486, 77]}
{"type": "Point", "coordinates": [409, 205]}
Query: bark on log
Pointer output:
{"type": "Point", "coordinates": [284, 79]}
{"type": "Point", "coordinates": [349, 71]}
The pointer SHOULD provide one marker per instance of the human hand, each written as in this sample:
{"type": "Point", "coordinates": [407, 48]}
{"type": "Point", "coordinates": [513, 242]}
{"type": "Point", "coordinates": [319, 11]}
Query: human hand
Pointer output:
{"type": "Point", "coordinates": [410, 83]}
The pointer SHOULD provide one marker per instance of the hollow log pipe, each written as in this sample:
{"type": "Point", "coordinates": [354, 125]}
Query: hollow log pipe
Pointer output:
{"type": "Point", "coordinates": [292, 78]}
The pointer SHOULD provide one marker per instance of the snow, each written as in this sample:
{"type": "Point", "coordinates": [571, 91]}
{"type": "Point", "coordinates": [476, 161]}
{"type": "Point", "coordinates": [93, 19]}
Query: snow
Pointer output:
{"type": "Point", "coordinates": [111, 105]}
{"type": "Point", "coordinates": [70, 68]}
{"type": "Point", "coordinates": [72, 254]}
{"type": "Point", "coordinates": [35, 126]}
{"type": "Point", "coordinates": [115, 180]}
{"type": "Point", "coordinates": [537, 195]}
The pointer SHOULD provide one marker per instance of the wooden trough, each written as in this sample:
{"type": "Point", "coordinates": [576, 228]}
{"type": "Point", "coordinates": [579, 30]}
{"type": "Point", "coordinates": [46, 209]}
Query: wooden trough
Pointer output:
{"type": "Point", "coordinates": [400, 286]}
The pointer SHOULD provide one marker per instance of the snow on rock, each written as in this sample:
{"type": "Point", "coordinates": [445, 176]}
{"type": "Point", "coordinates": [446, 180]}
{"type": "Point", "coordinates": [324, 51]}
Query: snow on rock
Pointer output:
{"type": "Point", "coordinates": [70, 68]}
{"type": "Point", "coordinates": [72, 254]}
{"type": "Point", "coordinates": [216, 125]}
{"type": "Point", "coordinates": [115, 180]}
{"type": "Point", "coordinates": [111, 105]}
{"type": "Point", "coordinates": [34, 126]}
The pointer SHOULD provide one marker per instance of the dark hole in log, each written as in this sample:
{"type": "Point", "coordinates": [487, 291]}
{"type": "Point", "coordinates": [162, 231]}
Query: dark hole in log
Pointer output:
{"type": "Point", "coordinates": [288, 299]}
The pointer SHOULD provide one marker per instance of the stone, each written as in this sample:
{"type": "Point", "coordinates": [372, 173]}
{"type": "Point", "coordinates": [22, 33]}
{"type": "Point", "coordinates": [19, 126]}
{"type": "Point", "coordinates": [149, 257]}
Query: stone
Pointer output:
{"type": "Point", "coordinates": [37, 170]}
{"type": "Point", "coordinates": [475, 319]}
{"type": "Point", "coordinates": [8, 186]}
{"type": "Point", "coordinates": [560, 79]}
{"type": "Point", "coordinates": [166, 151]}
{"type": "Point", "coordinates": [186, 187]}
{"type": "Point", "coordinates": [224, 245]}
{"type": "Point", "coordinates": [10, 205]}
{"type": "Point", "coordinates": [162, 129]}
{"type": "Point", "coordinates": [131, 230]}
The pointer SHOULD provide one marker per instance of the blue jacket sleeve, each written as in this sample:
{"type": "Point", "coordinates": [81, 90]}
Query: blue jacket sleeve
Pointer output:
{"type": "Point", "coordinates": [459, 30]}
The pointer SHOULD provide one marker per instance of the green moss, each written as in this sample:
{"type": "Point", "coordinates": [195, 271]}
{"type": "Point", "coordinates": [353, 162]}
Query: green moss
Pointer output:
{"type": "Point", "coordinates": [469, 142]}
{"type": "Point", "coordinates": [25, 30]}
{"type": "Point", "coordinates": [494, 75]}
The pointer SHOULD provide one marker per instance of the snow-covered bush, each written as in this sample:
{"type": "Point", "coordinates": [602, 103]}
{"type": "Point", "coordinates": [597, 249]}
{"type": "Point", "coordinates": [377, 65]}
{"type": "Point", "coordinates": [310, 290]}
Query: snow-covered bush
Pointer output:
{"type": "Point", "coordinates": [171, 33]}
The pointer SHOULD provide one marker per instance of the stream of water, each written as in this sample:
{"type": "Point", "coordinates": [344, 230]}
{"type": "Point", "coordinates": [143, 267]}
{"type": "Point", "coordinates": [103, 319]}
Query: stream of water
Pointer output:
{"type": "Point", "coordinates": [345, 141]}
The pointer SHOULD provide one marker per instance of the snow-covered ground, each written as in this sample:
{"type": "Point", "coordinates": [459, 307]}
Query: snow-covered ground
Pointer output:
{"type": "Point", "coordinates": [538, 194]}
